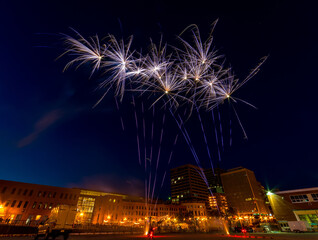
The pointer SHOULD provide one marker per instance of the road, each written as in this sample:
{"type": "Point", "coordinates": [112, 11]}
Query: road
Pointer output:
{"type": "Point", "coordinates": [278, 236]}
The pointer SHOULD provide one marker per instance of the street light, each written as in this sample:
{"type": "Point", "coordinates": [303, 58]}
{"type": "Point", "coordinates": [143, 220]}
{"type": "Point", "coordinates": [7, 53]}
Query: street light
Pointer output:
{"type": "Point", "coordinates": [269, 193]}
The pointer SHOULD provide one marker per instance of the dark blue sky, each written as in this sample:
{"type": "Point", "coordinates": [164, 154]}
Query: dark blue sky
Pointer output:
{"type": "Point", "coordinates": [49, 133]}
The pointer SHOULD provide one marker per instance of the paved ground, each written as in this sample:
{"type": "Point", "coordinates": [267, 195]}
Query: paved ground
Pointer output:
{"type": "Point", "coordinates": [278, 236]}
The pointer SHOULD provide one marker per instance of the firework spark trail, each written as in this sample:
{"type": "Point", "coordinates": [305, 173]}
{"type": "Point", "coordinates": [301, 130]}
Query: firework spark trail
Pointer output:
{"type": "Point", "coordinates": [221, 132]}
{"type": "Point", "coordinates": [144, 133]}
{"type": "Point", "coordinates": [193, 75]}
{"type": "Point", "coordinates": [158, 156]}
{"type": "Point", "coordinates": [230, 125]}
{"type": "Point", "coordinates": [121, 119]}
{"type": "Point", "coordinates": [152, 131]}
{"type": "Point", "coordinates": [136, 120]}
{"type": "Point", "coordinates": [238, 119]}
{"type": "Point", "coordinates": [186, 136]}
{"type": "Point", "coordinates": [205, 140]}
{"type": "Point", "coordinates": [216, 135]}
{"type": "Point", "coordinates": [84, 51]}
{"type": "Point", "coordinates": [163, 179]}
{"type": "Point", "coordinates": [174, 144]}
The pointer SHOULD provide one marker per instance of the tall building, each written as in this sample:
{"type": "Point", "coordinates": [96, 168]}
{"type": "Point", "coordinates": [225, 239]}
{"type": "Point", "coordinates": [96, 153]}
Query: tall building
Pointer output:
{"type": "Point", "coordinates": [213, 177]}
{"type": "Point", "coordinates": [243, 192]}
{"type": "Point", "coordinates": [187, 184]}
{"type": "Point", "coordinates": [295, 205]}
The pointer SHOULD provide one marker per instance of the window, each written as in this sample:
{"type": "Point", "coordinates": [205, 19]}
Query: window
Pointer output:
{"type": "Point", "coordinates": [13, 191]}
{"type": "Point", "coordinates": [25, 192]}
{"type": "Point", "coordinates": [4, 189]}
{"type": "Point", "coordinates": [45, 206]}
{"type": "Point", "coordinates": [13, 203]}
{"type": "Point", "coordinates": [61, 196]}
{"type": "Point", "coordinates": [44, 194]}
{"type": "Point", "coordinates": [40, 205]}
{"type": "Point", "coordinates": [314, 196]}
{"type": "Point", "coordinates": [49, 195]}
{"type": "Point", "coordinates": [19, 205]}
{"type": "Point", "coordinates": [34, 205]}
{"type": "Point", "coordinates": [51, 206]}
{"type": "Point", "coordinates": [299, 198]}
{"type": "Point", "coordinates": [39, 194]}
{"type": "Point", "coordinates": [19, 192]}
{"type": "Point", "coordinates": [54, 194]}
{"type": "Point", "coordinates": [65, 196]}
{"type": "Point", "coordinates": [71, 196]}
{"type": "Point", "coordinates": [31, 192]}
{"type": "Point", "coordinates": [74, 197]}
{"type": "Point", "coordinates": [25, 204]}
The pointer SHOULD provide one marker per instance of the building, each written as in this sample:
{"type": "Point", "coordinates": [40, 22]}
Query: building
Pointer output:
{"type": "Point", "coordinates": [25, 202]}
{"type": "Point", "coordinates": [196, 209]}
{"type": "Point", "coordinates": [243, 192]}
{"type": "Point", "coordinates": [218, 203]}
{"type": "Point", "coordinates": [213, 177]}
{"type": "Point", "coordinates": [187, 184]}
{"type": "Point", "coordinates": [295, 205]}
{"type": "Point", "coordinates": [98, 207]}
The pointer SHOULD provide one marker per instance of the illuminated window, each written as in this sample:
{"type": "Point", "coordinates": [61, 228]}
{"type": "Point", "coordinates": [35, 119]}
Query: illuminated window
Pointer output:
{"type": "Point", "coordinates": [51, 206]}
{"type": "Point", "coordinates": [39, 194]}
{"type": "Point", "coordinates": [45, 206]}
{"type": "Point", "coordinates": [34, 205]}
{"type": "Point", "coordinates": [40, 205]}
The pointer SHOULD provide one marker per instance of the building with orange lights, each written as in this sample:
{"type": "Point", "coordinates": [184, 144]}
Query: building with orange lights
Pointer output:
{"type": "Point", "coordinates": [28, 203]}
{"type": "Point", "coordinates": [218, 202]}
{"type": "Point", "coordinates": [243, 192]}
{"type": "Point", "coordinates": [25, 203]}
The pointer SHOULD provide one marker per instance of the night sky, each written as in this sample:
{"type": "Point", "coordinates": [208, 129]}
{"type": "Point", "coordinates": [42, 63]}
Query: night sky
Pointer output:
{"type": "Point", "coordinates": [50, 134]}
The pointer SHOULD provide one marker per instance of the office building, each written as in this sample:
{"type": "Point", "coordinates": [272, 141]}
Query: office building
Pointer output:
{"type": "Point", "coordinates": [187, 184]}
{"type": "Point", "coordinates": [243, 192]}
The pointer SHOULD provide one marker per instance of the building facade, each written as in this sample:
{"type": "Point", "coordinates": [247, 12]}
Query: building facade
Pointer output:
{"type": "Point", "coordinates": [187, 184]}
{"type": "Point", "coordinates": [243, 192]}
{"type": "Point", "coordinates": [28, 203]}
{"type": "Point", "coordinates": [295, 205]}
